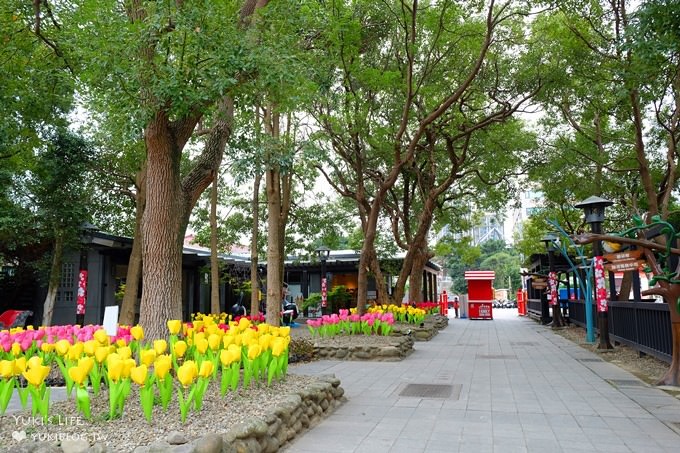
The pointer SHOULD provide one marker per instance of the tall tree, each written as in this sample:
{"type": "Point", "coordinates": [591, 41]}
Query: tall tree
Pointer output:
{"type": "Point", "coordinates": [630, 122]}
{"type": "Point", "coordinates": [396, 86]}
{"type": "Point", "coordinates": [57, 185]}
{"type": "Point", "coordinates": [171, 66]}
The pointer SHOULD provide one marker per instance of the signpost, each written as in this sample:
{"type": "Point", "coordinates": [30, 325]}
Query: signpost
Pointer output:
{"type": "Point", "coordinates": [624, 261]}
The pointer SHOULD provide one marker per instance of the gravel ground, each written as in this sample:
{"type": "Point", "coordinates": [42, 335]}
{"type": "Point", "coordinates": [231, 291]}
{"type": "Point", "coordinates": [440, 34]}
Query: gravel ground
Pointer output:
{"type": "Point", "coordinates": [647, 368]}
{"type": "Point", "coordinates": [218, 415]}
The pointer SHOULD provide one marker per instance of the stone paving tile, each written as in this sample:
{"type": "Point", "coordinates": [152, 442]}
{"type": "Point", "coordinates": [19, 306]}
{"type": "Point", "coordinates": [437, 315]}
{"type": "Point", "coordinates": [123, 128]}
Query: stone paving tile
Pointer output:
{"type": "Point", "coordinates": [541, 399]}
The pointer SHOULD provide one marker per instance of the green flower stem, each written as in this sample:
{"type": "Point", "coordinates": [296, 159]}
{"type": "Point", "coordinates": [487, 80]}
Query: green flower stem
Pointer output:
{"type": "Point", "coordinates": [6, 388]}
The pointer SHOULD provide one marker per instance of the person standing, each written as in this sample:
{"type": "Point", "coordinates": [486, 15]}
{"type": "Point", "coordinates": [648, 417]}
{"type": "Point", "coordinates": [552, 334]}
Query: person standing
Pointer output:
{"type": "Point", "coordinates": [456, 305]}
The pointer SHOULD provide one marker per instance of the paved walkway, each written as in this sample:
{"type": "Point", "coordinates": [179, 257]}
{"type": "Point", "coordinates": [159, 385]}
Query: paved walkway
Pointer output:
{"type": "Point", "coordinates": [515, 387]}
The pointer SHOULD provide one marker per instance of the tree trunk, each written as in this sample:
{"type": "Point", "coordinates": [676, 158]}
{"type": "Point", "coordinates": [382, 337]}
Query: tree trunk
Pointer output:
{"type": "Point", "coordinates": [162, 230]}
{"type": "Point", "coordinates": [254, 279]}
{"type": "Point", "coordinates": [214, 263]}
{"type": "Point", "coordinates": [134, 271]}
{"type": "Point", "coordinates": [55, 280]}
{"type": "Point", "coordinates": [274, 284]}
{"type": "Point", "coordinates": [672, 376]}
{"type": "Point", "coordinates": [420, 258]}
{"type": "Point", "coordinates": [382, 292]}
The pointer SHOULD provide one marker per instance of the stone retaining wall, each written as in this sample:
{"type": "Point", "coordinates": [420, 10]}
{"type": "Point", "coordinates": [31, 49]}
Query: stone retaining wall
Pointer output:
{"type": "Point", "coordinates": [427, 330]}
{"type": "Point", "coordinates": [398, 348]}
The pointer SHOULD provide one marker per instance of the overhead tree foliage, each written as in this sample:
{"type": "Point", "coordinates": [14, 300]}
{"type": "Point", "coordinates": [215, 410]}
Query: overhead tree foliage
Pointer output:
{"type": "Point", "coordinates": [413, 78]}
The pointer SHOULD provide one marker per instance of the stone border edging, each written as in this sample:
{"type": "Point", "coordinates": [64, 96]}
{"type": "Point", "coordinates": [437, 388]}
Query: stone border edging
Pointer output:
{"type": "Point", "coordinates": [399, 348]}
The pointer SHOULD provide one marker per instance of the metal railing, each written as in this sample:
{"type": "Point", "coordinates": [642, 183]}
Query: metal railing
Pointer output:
{"type": "Point", "coordinates": [644, 326]}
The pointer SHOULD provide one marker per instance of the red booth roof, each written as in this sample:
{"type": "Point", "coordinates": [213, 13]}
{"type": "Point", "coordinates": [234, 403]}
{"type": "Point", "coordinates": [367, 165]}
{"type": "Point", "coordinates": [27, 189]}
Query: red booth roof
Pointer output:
{"type": "Point", "coordinates": [480, 275]}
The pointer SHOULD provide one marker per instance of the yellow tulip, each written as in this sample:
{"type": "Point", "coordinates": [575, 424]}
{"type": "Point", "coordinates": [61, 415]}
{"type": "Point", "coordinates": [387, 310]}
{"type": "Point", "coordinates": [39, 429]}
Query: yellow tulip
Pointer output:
{"type": "Point", "coordinates": [36, 376]}
{"type": "Point", "coordinates": [278, 346]}
{"type": "Point", "coordinates": [78, 374]}
{"type": "Point", "coordinates": [6, 368]}
{"type": "Point", "coordinates": [254, 351]}
{"type": "Point", "coordinates": [75, 351]}
{"type": "Point", "coordinates": [128, 364]}
{"type": "Point", "coordinates": [206, 369]}
{"type": "Point", "coordinates": [180, 348]}
{"type": "Point", "coordinates": [185, 375]}
{"type": "Point", "coordinates": [115, 369]}
{"type": "Point", "coordinates": [198, 325]}
{"type": "Point", "coordinates": [138, 374]}
{"type": "Point", "coordinates": [202, 345]}
{"type": "Point", "coordinates": [284, 331]}
{"type": "Point", "coordinates": [247, 336]}
{"type": "Point", "coordinates": [16, 349]}
{"type": "Point", "coordinates": [227, 340]}
{"type": "Point", "coordinates": [120, 342]}
{"type": "Point", "coordinates": [137, 333]}
{"type": "Point", "coordinates": [225, 357]}
{"type": "Point", "coordinates": [174, 326]}
{"type": "Point", "coordinates": [243, 323]}
{"type": "Point", "coordinates": [125, 352]}
{"type": "Point", "coordinates": [86, 363]}
{"type": "Point", "coordinates": [101, 353]}
{"type": "Point", "coordinates": [62, 347]}
{"type": "Point", "coordinates": [214, 341]}
{"type": "Point", "coordinates": [19, 366]}
{"type": "Point", "coordinates": [47, 347]}
{"type": "Point", "coordinates": [147, 356]}
{"type": "Point", "coordinates": [265, 341]}
{"type": "Point", "coordinates": [89, 347]}
{"type": "Point", "coordinates": [264, 328]}
{"type": "Point", "coordinates": [162, 366]}
{"type": "Point", "coordinates": [34, 362]}
{"type": "Point", "coordinates": [102, 337]}
{"type": "Point", "coordinates": [160, 346]}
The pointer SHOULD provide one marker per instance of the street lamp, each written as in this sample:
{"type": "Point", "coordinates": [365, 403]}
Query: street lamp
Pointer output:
{"type": "Point", "coordinates": [550, 240]}
{"type": "Point", "coordinates": [323, 252]}
{"type": "Point", "coordinates": [594, 207]}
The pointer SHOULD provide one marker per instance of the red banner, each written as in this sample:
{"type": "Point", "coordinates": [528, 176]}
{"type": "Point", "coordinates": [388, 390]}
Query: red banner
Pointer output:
{"type": "Point", "coordinates": [600, 289]}
{"type": "Point", "coordinates": [324, 299]}
{"type": "Point", "coordinates": [81, 300]}
{"type": "Point", "coordinates": [552, 281]}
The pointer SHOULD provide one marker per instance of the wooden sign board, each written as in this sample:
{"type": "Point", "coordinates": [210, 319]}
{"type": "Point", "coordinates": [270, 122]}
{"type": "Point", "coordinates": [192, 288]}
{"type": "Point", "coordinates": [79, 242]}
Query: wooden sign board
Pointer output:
{"type": "Point", "coordinates": [628, 255]}
{"type": "Point", "coordinates": [538, 280]}
{"type": "Point", "coordinates": [623, 266]}
{"type": "Point", "coordinates": [539, 285]}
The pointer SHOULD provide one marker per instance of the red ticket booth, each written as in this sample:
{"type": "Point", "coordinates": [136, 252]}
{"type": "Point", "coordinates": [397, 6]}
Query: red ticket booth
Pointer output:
{"type": "Point", "coordinates": [480, 294]}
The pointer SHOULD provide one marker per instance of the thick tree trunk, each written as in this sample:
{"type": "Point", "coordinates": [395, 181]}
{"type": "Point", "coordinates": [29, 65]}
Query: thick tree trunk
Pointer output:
{"type": "Point", "coordinates": [55, 279]}
{"type": "Point", "coordinates": [382, 292]}
{"type": "Point", "coordinates": [367, 248]}
{"type": "Point", "coordinates": [254, 278]}
{"type": "Point", "coordinates": [416, 278]}
{"type": "Point", "coordinates": [134, 271]}
{"type": "Point", "coordinates": [162, 231]}
{"type": "Point", "coordinates": [214, 263]}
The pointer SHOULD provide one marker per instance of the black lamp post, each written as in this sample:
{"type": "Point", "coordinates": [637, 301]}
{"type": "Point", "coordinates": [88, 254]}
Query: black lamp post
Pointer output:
{"type": "Point", "coordinates": [323, 252]}
{"type": "Point", "coordinates": [550, 240]}
{"type": "Point", "coordinates": [594, 207]}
